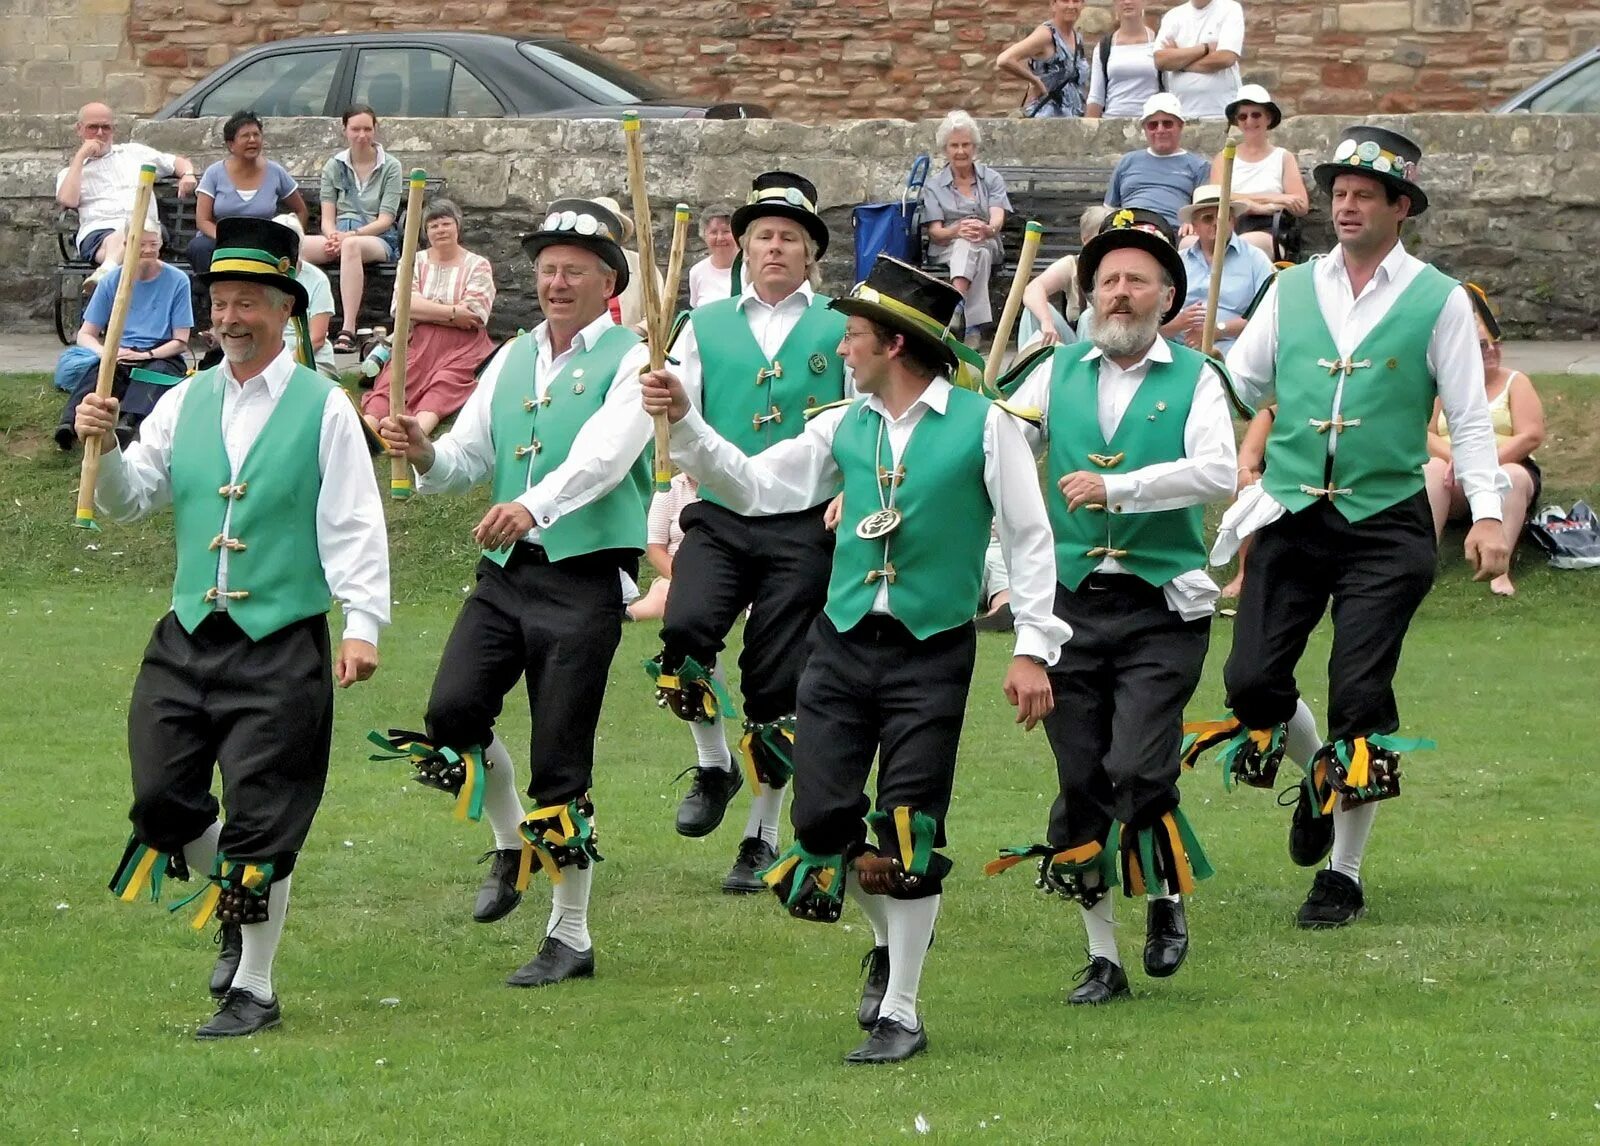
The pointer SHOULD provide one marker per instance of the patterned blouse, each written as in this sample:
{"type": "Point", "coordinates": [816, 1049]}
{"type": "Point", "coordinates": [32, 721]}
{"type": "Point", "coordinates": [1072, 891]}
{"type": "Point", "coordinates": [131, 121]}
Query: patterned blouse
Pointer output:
{"type": "Point", "coordinates": [468, 284]}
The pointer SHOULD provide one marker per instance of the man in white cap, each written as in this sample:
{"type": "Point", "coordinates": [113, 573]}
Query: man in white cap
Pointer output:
{"type": "Point", "coordinates": [1199, 45]}
{"type": "Point", "coordinates": [1161, 177]}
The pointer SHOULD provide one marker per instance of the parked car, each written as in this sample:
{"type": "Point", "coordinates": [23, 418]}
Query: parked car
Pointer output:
{"type": "Point", "coordinates": [435, 75]}
{"type": "Point", "coordinates": [1574, 87]}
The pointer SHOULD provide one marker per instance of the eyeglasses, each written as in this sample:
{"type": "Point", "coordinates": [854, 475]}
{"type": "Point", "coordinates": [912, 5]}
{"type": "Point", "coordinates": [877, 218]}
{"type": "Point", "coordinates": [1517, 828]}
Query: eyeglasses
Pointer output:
{"type": "Point", "coordinates": [1162, 124]}
{"type": "Point", "coordinates": [571, 274]}
{"type": "Point", "coordinates": [98, 126]}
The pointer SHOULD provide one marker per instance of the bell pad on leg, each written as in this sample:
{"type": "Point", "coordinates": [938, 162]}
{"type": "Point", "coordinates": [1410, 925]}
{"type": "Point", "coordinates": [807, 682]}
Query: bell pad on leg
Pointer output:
{"type": "Point", "coordinates": [460, 774]}
{"type": "Point", "coordinates": [1083, 874]}
{"type": "Point", "coordinates": [906, 839]}
{"type": "Point", "coordinates": [691, 692]}
{"type": "Point", "coordinates": [1250, 756]}
{"type": "Point", "coordinates": [1367, 768]}
{"type": "Point", "coordinates": [810, 886]}
{"type": "Point", "coordinates": [142, 869]}
{"type": "Point", "coordinates": [560, 836]}
{"type": "Point", "coordinates": [768, 751]}
{"type": "Point", "coordinates": [237, 893]}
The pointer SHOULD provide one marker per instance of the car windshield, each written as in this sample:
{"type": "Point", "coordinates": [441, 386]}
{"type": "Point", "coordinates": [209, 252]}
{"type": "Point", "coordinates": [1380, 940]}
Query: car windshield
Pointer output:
{"type": "Point", "coordinates": [590, 74]}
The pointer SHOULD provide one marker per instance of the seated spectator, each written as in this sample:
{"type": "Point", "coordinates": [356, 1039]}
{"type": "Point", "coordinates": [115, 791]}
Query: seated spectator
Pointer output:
{"type": "Point", "coordinates": [1123, 73]}
{"type": "Point", "coordinates": [1266, 179]}
{"type": "Point", "coordinates": [627, 308]}
{"type": "Point", "coordinates": [1198, 47]}
{"type": "Point", "coordinates": [245, 183]}
{"type": "Point", "coordinates": [663, 536]}
{"type": "Point", "coordinates": [1245, 271]}
{"type": "Point", "coordinates": [155, 336]}
{"type": "Point", "coordinates": [964, 205]}
{"type": "Point", "coordinates": [1051, 60]}
{"type": "Point", "coordinates": [712, 277]}
{"type": "Point", "coordinates": [100, 182]}
{"type": "Point", "coordinates": [1042, 323]}
{"type": "Point", "coordinates": [360, 201]}
{"type": "Point", "coordinates": [319, 305]}
{"type": "Point", "coordinates": [452, 293]}
{"type": "Point", "coordinates": [1161, 177]}
{"type": "Point", "coordinates": [1518, 418]}
{"type": "Point", "coordinates": [994, 600]}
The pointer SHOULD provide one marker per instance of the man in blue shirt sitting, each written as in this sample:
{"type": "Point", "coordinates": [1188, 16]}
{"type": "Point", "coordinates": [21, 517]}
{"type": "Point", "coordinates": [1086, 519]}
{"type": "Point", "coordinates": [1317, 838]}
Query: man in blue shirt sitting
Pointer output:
{"type": "Point", "coordinates": [1245, 270]}
{"type": "Point", "coordinates": [1162, 177]}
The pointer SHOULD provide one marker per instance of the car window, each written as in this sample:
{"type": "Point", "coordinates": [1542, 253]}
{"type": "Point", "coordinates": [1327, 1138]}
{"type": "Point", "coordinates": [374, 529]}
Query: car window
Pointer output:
{"type": "Point", "coordinates": [590, 75]}
{"type": "Point", "coordinates": [1577, 93]}
{"type": "Point", "coordinates": [292, 84]}
{"type": "Point", "coordinates": [414, 82]}
{"type": "Point", "coordinates": [469, 99]}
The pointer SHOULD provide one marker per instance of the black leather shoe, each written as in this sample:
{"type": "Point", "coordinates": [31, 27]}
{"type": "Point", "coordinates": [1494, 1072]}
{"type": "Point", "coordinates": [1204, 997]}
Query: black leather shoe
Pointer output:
{"type": "Point", "coordinates": [876, 964]}
{"type": "Point", "coordinates": [241, 1014]}
{"type": "Point", "coordinates": [1166, 937]}
{"type": "Point", "coordinates": [702, 809]}
{"type": "Point", "coordinates": [1310, 837]}
{"type": "Point", "coordinates": [1102, 981]}
{"type": "Point", "coordinates": [230, 941]}
{"type": "Point", "coordinates": [754, 854]}
{"type": "Point", "coordinates": [498, 897]}
{"type": "Point", "coordinates": [554, 963]}
{"type": "Point", "coordinates": [1335, 900]}
{"type": "Point", "coordinates": [889, 1041]}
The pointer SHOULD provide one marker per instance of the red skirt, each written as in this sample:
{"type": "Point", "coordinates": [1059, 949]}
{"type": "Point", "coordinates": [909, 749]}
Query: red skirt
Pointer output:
{"type": "Point", "coordinates": [440, 361]}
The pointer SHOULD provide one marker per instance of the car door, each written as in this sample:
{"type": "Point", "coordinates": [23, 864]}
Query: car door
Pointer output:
{"type": "Point", "coordinates": [1577, 92]}
{"type": "Point", "coordinates": [296, 83]}
{"type": "Point", "coordinates": [418, 81]}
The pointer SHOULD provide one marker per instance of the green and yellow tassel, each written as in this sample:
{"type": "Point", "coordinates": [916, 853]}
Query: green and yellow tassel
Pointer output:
{"type": "Point", "coordinates": [802, 864]}
{"type": "Point", "coordinates": [778, 738]}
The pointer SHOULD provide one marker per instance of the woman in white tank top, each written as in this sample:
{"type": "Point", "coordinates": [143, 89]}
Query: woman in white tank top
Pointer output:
{"type": "Point", "coordinates": [1266, 178]}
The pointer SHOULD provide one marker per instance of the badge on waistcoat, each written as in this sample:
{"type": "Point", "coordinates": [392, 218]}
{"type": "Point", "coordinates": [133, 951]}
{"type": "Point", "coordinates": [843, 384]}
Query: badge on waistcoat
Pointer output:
{"type": "Point", "coordinates": [817, 363]}
{"type": "Point", "coordinates": [879, 524]}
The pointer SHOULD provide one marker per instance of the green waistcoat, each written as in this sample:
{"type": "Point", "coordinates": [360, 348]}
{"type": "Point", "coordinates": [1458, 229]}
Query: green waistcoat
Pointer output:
{"type": "Point", "coordinates": [937, 552]}
{"type": "Point", "coordinates": [271, 535]}
{"type": "Point", "coordinates": [1155, 547]}
{"type": "Point", "coordinates": [533, 435]}
{"type": "Point", "coordinates": [1382, 414]}
{"type": "Point", "coordinates": [755, 403]}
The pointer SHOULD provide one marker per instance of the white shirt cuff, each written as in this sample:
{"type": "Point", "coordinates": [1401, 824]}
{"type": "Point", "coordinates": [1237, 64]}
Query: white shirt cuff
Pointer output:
{"type": "Point", "coordinates": [543, 510]}
{"type": "Point", "coordinates": [361, 626]}
{"type": "Point", "coordinates": [1485, 506]}
{"type": "Point", "coordinates": [1119, 488]}
{"type": "Point", "coordinates": [1032, 642]}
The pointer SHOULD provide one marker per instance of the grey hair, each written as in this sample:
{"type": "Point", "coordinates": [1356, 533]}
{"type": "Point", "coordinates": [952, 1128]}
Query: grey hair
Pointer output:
{"type": "Point", "coordinates": [443, 209]}
{"type": "Point", "coordinates": [1089, 222]}
{"type": "Point", "coordinates": [957, 120]}
{"type": "Point", "coordinates": [277, 297]}
{"type": "Point", "coordinates": [712, 214]}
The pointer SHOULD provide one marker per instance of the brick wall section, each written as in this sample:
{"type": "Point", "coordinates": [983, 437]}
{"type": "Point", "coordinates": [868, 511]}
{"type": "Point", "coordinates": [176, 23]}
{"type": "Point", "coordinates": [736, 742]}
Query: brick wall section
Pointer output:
{"type": "Point", "coordinates": [820, 60]}
{"type": "Point", "coordinates": [57, 55]}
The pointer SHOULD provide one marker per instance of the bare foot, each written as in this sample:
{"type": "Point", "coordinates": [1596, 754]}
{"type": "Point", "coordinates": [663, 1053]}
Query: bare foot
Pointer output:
{"type": "Point", "coordinates": [1501, 586]}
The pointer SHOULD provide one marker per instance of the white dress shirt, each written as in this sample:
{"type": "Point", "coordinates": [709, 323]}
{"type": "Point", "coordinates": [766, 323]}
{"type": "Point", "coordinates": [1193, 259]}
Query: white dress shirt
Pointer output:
{"type": "Point", "coordinates": [797, 474]}
{"type": "Point", "coordinates": [107, 184]}
{"type": "Point", "coordinates": [1206, 472]}
{"type": "Point", "coordinates": [352, 539]}
{"type": "Point", "coordinates": [605, 447]}
{"type": "Point", "coordinates": [1453, 359]}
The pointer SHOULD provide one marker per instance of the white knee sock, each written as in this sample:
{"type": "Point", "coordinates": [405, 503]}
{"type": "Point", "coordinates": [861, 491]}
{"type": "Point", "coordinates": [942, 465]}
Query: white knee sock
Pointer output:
{"type": "Point", "coordinates": [1302, 740]}
{"type": "Point", "coordinates": [569, 908]}
{"type": "Point", "coordinates": [910, 931]}
{"type": "Point", "coordinates": [261, 944]}
{"type": "Point", "coordinates": [763, 818]}
{"type": "Point", "coordinates": [501, 803]}
{"type": "Point", "coordinates": [711, 746]}
{"type": "Point", "coordinates": [1350, 832]}
{"type": "Point", "coordinates": [201, 852]}
{"type": "Point", "coordinates": [1100, 923]}
{"type": "Point", "coordinates": [873, 907]}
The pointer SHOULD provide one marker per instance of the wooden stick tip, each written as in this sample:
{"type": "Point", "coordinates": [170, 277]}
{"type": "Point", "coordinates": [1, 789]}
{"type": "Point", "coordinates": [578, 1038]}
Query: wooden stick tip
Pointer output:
{"type": "Point", "coordinates": [418, 175]}
{"type": "Point", "coordinates": [1034, 227]}
{"type": "Point", "coordinates": [630, 121]}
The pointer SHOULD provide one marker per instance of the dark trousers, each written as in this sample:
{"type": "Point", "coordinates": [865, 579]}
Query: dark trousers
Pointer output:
{"type": "Point", "coordinates": [778, 567]}
{"type": "Point", "coordinates": [556, 624]}
{"type": "Point", "coordinates": [876, 691]}
{"type": "Point", "coordinates": [1120, 688]}
{"type": "Point", "coordinates": [1375, 571]}
{"type": "Point", "coordinates": [137, 397]}
{"type": "Point", "coordinates": [260, 711]}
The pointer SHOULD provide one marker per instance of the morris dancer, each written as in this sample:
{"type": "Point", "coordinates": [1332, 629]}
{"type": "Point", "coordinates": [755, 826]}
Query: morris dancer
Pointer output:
{"type": "Point", "coordinates": [1138, 438]}
{"type": "Point", "coordinates": [239, 674]}
{"type": "Point", "coordinates": [556, 422]}
{"type": "Point", "coordinates": [1354, 348]}
{"type": "Point", "coordinates": [924, 468]}
{"type": "Point", "coordinates": [752, 365]}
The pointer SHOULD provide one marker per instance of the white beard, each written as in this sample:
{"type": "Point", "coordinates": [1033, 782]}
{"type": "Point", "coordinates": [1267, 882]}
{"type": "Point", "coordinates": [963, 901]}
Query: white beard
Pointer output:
{"type": "Point", "coordinates": [1120, 336]}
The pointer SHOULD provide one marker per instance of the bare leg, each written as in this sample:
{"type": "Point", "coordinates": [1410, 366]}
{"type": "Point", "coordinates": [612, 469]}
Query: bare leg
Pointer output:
{"type": "Point", "coordinates": [1514, 512]}
{"type": "Point", "coordinates": [355, 251]}
{"type": "Point", "coordinates": [1262, 239]}
{"type": "Point", "coordinates": [1236, 586]}
{"type": "Point", "coordinates": [428, 420]}
{"type": "Point", "coordinates": [1436, 479]}
{"type": "Point", "coordinates": [653, 605]}
{"type": "Point", "coordinates": [110, 252]}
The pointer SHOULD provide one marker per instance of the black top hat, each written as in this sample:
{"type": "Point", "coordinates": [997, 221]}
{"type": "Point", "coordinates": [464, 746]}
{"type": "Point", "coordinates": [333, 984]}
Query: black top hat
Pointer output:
{"type": "Point", "coordinates": [586, 224]}
{"type": "Point", "coordinates": [789, 195]}
{"type": "Point", "coordinates": [1128, 228]}
{"type": "Point", "coordinates": [257, 251]}
{"type": "Point", "coordinates": [1380, 154]}
{"type": "Point", "coordinates": [909, 302]}
{"type": "Point", "coordinates": [1485, 313]}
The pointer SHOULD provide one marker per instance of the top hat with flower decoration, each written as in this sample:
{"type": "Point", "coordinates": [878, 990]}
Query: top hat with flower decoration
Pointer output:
{"type": "Point", "coordinates": [1380, 154]}
{"type": "Point", "coordinates": [1138, 229]}
{"type": "Point", "coordinates": [582, 223]}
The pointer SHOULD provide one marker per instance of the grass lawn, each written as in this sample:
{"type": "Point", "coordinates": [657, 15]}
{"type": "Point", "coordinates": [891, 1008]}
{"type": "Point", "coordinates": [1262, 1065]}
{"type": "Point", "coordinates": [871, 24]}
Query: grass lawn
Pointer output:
{"type": "Point", "coordinates": [1462, 1009]}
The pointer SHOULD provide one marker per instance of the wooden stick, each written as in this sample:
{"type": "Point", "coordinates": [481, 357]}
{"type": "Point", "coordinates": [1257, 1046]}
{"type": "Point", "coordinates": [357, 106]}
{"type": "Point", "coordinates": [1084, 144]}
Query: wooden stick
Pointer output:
{"type": "Point", "coordinates": [1219, 249]}
{"type": "Point", "coordinates": [134, 237]}
{"type": "Point", "coordinates": [669, 297]}
{"type": "Point", "coordinates": [1031, 238]}
{"type": "Point", "coordinates": [657, 324]}
{"type": "Point", "coordinates": [400, 468]}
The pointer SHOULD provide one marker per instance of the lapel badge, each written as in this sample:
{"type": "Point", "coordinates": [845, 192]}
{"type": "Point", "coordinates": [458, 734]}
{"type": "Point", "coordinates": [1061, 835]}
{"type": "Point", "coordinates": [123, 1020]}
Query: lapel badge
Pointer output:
{"type": "Point", "coordinates": [817, 363]}
{"type": "Point", "coordinates": [578, 373]}
{"type": "Point", "coordinates": [1393, 364]}
{"type": "Point", "coordinates": [577, 387]}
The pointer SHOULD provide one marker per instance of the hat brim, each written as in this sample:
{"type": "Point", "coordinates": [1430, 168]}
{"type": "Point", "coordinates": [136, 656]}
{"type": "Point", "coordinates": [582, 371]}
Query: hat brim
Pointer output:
{"type": "Point", "coordinates": [281, 282]}
{"type": "Point", "coordinates": [1274, 116]}
{"type": "Point", "coordinates": [885, 317]}
{"type": "Point", "coordinates": [1326, 173]}
{"type": "Point", "coordinates": [1124, 238]}
{"type": "Point", "coordinates": [608, 252]}
{"type": "Point", "coordinates": [1186, 213]}
{"type": "Point", "coordinates": [750, 212]}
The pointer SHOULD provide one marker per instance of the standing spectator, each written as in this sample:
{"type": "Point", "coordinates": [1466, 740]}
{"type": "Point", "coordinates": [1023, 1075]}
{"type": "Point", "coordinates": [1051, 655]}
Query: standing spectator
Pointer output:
{"type": "Point", "coordinates": [1052, 62]}
{"type": "Point", "coordinates": [99, 184]}
{"type": "Point", "coordinates": [712, 277]}
{"type": "Point", "coordinates": [1245, 272]}
{"type": "Point", "coordinates": [319, 305]}
{"type": "Point", "coordinates": [452, 293]}
{"type": "Point", "coordinates": [245, 183]}
{"type": "Point", "coordinates": [360, 202]}
{"type": "Point", "coordinates": [1040, 318]}
{"type": "Point", "coordinates": [1161, 178]}
{"type": "Point", "coordinates": [1266, 178]}
{"type": "Point", "coordinates": [964, 205]}
{"type": "Point", "coordinates": [1199, 46]}
{"type": "Point", "coordinates": [154, 339]}
{"type": "Point", "coordinates": [1123, 73]}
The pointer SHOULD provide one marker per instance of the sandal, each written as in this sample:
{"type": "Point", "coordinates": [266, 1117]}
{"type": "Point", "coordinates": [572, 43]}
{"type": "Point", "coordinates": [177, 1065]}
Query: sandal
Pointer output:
{"type": "Point", "coordinates": [344, 342]}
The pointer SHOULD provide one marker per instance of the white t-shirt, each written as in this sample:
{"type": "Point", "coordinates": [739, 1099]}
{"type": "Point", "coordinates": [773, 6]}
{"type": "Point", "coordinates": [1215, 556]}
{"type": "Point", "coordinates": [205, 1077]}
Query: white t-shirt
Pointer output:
{"type": "Point", "coordinates": [708, 284]}
{"type": "Point", "coordinates": [1131, 81]}
{"type": "Point", "coordinates": [105, 192]}
{"type": "Point", "coordinates": [1220, 22]}
{"type": "Point", "coordinates": [320, 295]}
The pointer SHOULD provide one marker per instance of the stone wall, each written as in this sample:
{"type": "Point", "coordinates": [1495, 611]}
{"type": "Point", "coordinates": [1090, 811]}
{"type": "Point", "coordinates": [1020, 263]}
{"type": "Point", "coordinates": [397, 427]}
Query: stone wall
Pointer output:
{"type": "Point", "coordinates": [819, 60]}
{"type": "Point", "coordinates": [1513, 197]}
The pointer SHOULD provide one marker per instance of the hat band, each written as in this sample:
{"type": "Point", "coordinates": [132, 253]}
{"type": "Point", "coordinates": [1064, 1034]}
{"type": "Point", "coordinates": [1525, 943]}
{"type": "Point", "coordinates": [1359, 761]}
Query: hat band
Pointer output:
{"type": "Point", "coordinates": [1369, 156]}
{"type": "Point", "coordinates": [251, 260]}
{"type": "Point", "coordinates": [894, 306]}
{"type": "Point", "coordinates": [790, 195]}
{"type": "Point", "coordinates": [586, 225]}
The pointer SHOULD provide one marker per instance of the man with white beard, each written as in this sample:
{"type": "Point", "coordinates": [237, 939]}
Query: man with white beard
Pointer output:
{"type": "Point", "coordinates": [1138, 438]}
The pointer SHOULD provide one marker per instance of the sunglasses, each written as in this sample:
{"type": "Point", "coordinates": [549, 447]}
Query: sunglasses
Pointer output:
{"type": "Point", "coordinates": [1244, 115]}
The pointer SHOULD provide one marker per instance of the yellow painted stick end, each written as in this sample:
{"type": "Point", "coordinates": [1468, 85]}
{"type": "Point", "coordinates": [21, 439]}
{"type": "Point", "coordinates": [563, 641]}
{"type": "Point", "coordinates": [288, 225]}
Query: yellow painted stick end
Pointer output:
{"type": "Point", "coordinates": [682, 212]}
{"type": "Point", "coordinates": [147, 173]}
{"type": "Point", "coordinates": [630, 121]}
{"type": "Point", "coordinates": [85, 520]}
{"type": "Point", "coordinates": [401, 489]}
